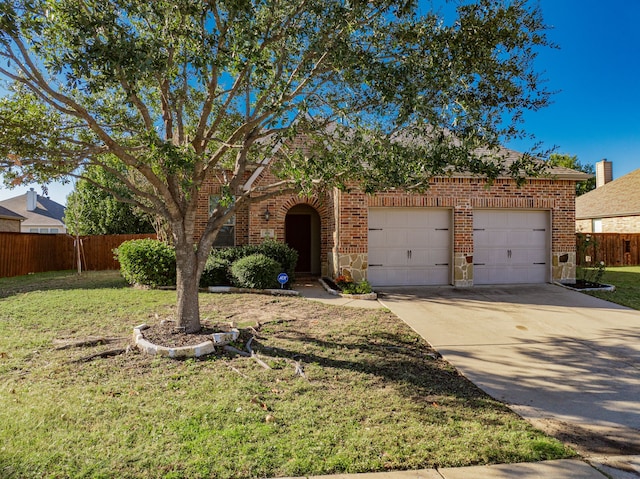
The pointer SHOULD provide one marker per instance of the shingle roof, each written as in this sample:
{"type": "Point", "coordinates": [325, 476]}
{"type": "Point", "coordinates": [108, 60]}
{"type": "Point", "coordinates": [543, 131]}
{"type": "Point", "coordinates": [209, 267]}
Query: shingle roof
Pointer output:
{"type": "Point", "coordinates": [556, 172]}
{"type": "Point", "coordinates": [7, 214]}
{"type": "Point", "coordinates": [620, 197]}
{"type": "Point", "coordinates": [47, 212]}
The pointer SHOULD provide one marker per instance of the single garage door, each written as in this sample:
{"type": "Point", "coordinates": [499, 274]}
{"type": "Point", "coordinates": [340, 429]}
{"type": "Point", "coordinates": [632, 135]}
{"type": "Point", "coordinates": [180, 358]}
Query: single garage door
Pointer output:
{"type": "Point", "coordinates": [510, 246]}
{"type": "Point", "coordinates": [409, 246]}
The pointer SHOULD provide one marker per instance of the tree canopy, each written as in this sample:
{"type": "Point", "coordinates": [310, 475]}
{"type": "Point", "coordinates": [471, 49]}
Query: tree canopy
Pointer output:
{"type": "Point", "coordinates": [162, 94]}
{"type": "Point", "coordinates": [569, 161]}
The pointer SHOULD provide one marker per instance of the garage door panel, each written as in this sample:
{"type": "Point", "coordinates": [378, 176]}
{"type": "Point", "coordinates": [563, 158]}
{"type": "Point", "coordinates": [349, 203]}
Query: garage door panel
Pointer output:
{"type": "Point", "coordinates": [510, 246]}
{"type": "Point", "coordinates": [414, 247]}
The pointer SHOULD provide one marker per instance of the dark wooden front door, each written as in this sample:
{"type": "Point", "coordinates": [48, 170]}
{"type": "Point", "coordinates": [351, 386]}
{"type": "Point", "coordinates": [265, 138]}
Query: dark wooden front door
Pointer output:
{"type": "Point", "coordinates": [298, 236]}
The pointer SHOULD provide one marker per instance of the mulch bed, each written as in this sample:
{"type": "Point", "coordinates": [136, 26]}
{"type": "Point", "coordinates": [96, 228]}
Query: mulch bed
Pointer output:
{"type": "Point", "coordinates": [582, 284]}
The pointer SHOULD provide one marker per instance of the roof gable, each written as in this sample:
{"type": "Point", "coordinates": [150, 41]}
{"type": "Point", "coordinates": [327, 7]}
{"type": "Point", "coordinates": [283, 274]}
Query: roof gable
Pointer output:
{"type": "Point", "coordinates": [620, 197]}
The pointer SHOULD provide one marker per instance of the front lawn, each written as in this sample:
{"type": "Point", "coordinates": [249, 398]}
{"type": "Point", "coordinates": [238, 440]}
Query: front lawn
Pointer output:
{"type": "Point", "coordinates": [375, 397]}
{"type": "Point", "coordinates": [626, 279]}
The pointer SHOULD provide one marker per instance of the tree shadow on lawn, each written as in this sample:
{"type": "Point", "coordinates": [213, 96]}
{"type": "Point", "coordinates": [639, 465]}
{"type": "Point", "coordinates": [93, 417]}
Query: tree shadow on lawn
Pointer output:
{"type": "Point", "coordinates": [405, 361]}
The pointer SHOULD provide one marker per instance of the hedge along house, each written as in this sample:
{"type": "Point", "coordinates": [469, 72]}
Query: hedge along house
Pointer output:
{"type": "Point", "coordinates": [461, 231]}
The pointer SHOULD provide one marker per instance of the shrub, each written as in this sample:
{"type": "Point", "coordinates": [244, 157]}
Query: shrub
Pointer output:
{"type": "Point", "coordinates": [362, 287]}
{"type": "Point", "coordinates": [255, 271]}
{"type": "Point", "coordinates": [217, 272]}
{"type": "Point", "coordinates": [147, 262]}
{"type": "Point", "coordinates": [283, 254]}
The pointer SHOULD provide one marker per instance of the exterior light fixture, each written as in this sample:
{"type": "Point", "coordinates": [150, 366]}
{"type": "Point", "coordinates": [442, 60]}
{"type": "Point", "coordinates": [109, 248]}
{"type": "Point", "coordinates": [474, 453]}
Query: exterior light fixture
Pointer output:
{"type": "Point", "coordinates": [267, 214]}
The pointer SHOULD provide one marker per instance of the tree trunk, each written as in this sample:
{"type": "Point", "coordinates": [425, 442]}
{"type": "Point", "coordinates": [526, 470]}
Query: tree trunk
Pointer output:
{"type": "Point", "coordinates": [187, 287]}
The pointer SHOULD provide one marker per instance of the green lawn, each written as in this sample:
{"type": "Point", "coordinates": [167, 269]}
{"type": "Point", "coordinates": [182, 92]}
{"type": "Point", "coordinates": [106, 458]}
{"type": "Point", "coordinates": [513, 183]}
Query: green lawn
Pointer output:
{"type": "Point", "coordinates": [626, 279]}
{"type": "Point", "coordinates": [374, 399]}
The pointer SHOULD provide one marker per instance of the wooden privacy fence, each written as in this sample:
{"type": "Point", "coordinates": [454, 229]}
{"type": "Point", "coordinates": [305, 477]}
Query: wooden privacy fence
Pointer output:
{"type": "Point", "coordinates": [615, 249]}
{"type": "Point", "coordinates": [23, 253]}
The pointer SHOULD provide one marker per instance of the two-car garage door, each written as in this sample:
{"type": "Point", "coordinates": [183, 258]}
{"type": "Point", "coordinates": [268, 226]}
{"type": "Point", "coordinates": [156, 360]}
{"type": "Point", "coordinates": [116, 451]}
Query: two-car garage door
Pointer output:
{"type": "Point", "coordinates": [413, 246]}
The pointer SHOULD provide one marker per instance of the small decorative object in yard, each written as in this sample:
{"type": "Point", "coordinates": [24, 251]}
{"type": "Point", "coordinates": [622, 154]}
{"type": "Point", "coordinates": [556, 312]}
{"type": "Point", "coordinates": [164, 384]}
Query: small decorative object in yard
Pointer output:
{"type": "Point", "coordinates": [283, 278]}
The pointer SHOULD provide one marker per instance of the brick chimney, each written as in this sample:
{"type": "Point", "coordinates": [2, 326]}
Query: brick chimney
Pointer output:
{"type": "Point", "coordinates": [32, 200]}
{"type": "Point", "coordinates": [604, 172]}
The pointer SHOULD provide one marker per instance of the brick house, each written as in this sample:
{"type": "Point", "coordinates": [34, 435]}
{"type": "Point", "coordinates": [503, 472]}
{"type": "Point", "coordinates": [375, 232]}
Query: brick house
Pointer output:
{"type": "Point", "coordinates": [460, 232]}
{"type": "Point", "coordinates": [613, 207]}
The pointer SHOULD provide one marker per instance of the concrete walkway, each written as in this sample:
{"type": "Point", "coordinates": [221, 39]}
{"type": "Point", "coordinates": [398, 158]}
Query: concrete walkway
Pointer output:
{"type": "Point", "coordinates": [567, 362]}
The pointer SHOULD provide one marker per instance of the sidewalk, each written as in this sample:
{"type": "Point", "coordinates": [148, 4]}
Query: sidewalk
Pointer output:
{"type": "Point", "coordinates": [560, 469]}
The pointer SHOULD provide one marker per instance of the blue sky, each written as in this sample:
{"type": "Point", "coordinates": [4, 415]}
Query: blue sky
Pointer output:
{"type": "Point", "coordinates": [596, 72]}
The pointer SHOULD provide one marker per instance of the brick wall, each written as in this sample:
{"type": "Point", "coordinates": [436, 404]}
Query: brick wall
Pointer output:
{"type": "Point", "coordinates": [344, 217]}
{"type": "Point", "coordinates": [463, 195]}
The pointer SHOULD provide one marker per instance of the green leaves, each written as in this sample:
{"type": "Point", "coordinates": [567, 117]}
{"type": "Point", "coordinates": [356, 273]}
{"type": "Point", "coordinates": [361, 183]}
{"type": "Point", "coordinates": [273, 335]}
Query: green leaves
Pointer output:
{"type": "Point", "coordinates": [338, 93]}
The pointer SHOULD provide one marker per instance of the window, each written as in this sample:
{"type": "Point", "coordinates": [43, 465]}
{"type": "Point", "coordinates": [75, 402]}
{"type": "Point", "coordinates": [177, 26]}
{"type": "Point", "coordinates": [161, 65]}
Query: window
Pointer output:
{"type": "Point", "coordinates": [53, 230]}
{"type": "Point", "coordinates": [34, 230]}
{"type": "Point", "coordinates": [226, 236]}
{"type": "Point", "coordinates": [44, 230]}
{"type": "Point", "coordinates": [597, 225]}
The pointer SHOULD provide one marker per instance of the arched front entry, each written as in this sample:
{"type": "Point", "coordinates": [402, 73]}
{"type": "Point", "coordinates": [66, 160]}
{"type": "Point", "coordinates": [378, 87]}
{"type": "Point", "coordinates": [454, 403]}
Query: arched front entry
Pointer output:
{"type": "Point", "coordinates": [302, 233]}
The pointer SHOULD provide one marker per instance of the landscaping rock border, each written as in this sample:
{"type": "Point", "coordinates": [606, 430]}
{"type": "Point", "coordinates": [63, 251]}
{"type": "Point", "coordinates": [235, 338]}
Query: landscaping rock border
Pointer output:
{"type": "Point", "coordinates": [232, 289]}
{"type": "Point", "coordinates": [604, 287]}
{"type": "Point", "coordinates": [328, 289]}
{"type": "Point", "coordinates": [202, 349]}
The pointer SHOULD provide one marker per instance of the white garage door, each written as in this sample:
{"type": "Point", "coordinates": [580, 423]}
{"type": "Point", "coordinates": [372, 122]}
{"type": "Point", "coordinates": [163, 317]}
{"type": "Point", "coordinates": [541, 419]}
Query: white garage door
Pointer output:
{"type": "Point", "coordinates": [510, 246]}
{"type": "Point", "coordinates": [409, 246]}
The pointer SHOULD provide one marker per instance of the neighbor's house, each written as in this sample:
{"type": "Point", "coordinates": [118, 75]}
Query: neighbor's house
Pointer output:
{"type": "Point", "coordinates": [613, 207]}
{"type": "Point", "coordinates": [39, 214]}
{"type": "Point", "coordinates": [10, 221]}
{"type": "Point", "coordinates": [460, 232]}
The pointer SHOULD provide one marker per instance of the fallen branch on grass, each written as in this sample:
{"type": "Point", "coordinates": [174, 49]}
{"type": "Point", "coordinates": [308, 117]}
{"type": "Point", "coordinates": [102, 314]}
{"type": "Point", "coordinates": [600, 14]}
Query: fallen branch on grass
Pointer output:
{"type": "Point", "coordinates": [103, 354]}
{"type": "Point", "coordinates": [255, 356]}
{"type": "Point", "coordinates": [87, 342]}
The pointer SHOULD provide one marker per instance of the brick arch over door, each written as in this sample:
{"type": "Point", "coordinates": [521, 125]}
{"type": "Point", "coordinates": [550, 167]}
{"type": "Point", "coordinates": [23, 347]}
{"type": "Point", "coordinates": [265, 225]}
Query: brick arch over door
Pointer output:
{"type": "Point", "coordinates": [305, 230]}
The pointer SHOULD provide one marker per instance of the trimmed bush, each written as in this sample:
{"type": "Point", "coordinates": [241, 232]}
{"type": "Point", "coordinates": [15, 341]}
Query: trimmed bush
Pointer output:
{"type": "Point", "coordinates": [217, 272]}
{"type": "Point", "coordinates": [147, 262]}
{"type": "Point", "coordinates": [283, 254]}
{"type": "Point", "coordinates": [286, 256]}
{"type": "Point", "coordinates": [255, 271]}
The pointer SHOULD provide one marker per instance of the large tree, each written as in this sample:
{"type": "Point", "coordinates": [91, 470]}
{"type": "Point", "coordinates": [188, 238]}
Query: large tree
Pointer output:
{"type": "Point", "coordinates": [383, 92]}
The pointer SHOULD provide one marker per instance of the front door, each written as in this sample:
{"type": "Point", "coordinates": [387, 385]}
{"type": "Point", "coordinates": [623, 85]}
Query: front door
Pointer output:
{"type": "Point", "coordinates": [298, 236]}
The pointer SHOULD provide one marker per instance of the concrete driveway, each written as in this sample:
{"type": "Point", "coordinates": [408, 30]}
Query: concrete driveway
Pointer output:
{"type": "Point", "coordinates": [567, 362]}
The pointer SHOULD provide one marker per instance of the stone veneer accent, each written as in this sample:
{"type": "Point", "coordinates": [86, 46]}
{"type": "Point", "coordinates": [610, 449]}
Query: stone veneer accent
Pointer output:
{"type": "Point", "coordinates": [352, 264]}
{"type": "Point", "coordinates": [463, 270]}
{"type": "Point", "coordinates": [564, 267]}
